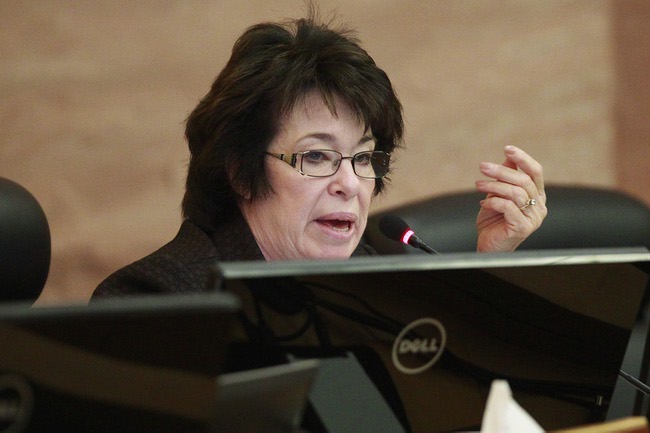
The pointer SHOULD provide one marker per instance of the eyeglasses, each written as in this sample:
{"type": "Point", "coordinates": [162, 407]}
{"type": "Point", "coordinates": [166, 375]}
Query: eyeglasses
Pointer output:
{"type": "Point", "coordinates": [324, 163]}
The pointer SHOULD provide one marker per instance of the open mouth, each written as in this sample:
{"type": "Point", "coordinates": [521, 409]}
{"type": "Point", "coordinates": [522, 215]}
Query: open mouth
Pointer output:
{"type": "Point", "coordinates": [338, 225]}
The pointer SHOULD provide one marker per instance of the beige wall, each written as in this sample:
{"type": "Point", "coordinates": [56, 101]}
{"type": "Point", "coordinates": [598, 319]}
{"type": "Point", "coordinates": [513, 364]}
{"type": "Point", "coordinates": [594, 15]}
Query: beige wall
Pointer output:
{"type": "Point", "coordinates": [94, 95]}
{"type": "Point", "coordinates": [631, 39]}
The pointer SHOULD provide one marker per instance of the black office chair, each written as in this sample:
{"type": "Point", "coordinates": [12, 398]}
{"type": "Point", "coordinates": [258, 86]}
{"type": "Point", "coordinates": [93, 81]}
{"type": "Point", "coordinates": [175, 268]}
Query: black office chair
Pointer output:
{"type": "Point", "coordinates": [579, 217]}
{"type": "Point", "coordinates": [25, 245]}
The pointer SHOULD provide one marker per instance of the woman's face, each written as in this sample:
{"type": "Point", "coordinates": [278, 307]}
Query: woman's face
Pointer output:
{"type": "Point", "coordinates": [309, 217]}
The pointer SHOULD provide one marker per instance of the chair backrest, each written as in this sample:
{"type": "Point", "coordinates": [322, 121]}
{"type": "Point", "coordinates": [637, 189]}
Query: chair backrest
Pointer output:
{"type": "Point", "coordinates": [579, 217]}
{"type": "Point", "coordinates": [25, 245]}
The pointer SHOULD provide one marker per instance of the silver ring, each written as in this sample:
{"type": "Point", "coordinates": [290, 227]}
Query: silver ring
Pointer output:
{"type": "Point", "coordinates": [530, 202]}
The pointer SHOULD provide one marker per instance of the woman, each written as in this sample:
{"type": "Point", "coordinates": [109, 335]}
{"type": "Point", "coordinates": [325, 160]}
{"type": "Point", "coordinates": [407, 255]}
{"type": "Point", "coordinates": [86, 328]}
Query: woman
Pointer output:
{"type": "Point", "coordinates": [287, 150]}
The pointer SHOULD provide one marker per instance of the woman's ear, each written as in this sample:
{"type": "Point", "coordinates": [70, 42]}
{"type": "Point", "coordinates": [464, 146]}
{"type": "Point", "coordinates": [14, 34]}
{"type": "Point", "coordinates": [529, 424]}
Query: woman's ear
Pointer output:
{"type": "Point", "coordinates": [243, 193]}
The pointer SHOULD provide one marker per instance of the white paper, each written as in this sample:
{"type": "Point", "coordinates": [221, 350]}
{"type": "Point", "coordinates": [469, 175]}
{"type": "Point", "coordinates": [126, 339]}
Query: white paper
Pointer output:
{"type": "Point", "coordinates": [504, 415]}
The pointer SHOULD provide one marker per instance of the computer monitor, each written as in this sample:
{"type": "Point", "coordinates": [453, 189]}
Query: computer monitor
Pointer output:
{"type": "Point", "coordinates": [133, 364]}
{"type": "Point", "coordinates": [430, 333]}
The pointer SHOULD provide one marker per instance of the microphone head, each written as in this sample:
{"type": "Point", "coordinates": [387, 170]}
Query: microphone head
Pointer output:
{"type": "Point", "coordinates": [395, 228]}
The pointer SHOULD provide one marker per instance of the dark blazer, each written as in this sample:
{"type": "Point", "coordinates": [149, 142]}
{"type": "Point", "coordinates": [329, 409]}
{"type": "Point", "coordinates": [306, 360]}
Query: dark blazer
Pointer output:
{"type": "Point", "coordinates": [183, 265]}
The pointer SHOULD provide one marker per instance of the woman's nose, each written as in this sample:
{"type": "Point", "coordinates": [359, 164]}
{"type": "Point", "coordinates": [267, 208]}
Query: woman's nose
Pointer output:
{"type": "Point", "coordinates": [345, 181]}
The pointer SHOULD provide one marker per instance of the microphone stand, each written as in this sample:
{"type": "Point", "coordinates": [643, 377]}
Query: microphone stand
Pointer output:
{"type": "Point", "coordinates": [416, 242]}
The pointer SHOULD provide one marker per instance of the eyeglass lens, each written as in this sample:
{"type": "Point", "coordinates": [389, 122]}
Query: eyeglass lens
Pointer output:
{"type": "Point", "coordinates": [322, 163]}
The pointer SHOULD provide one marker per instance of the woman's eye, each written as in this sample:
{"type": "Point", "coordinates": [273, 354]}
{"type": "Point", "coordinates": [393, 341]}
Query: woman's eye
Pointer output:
{"type": "Point", "coordinates": [363, 158]}
{"type": "Point", "coordinates": [314, 157]}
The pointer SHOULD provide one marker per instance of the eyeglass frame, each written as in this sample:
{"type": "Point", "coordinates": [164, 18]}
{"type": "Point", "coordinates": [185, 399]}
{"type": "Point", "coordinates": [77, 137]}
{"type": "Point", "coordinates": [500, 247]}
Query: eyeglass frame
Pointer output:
{"type": "Point", "coordinates": [294, 161]}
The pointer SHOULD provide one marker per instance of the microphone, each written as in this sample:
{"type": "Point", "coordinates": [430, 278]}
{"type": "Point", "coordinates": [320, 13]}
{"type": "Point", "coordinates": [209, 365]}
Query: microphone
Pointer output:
{"type": "Point", "coordinates": [396, 229]}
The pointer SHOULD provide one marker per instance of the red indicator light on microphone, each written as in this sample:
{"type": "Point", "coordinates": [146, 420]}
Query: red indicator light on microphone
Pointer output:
{"type": "Point", "coordinates": [407, 235]}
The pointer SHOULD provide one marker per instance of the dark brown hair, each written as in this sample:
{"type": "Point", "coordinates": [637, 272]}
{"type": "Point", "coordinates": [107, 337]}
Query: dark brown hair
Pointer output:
{"type": "Point", "coordinates": [272, 67]}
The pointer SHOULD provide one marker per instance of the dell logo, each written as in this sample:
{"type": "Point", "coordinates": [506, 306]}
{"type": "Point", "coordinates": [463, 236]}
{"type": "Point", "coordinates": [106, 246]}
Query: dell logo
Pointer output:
{"type": "Point", "coordinates": [418, 346]}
